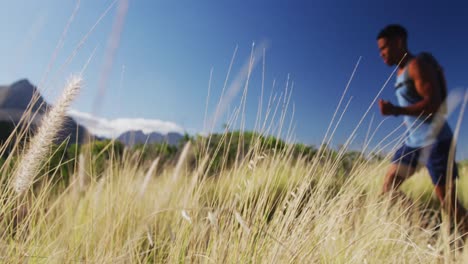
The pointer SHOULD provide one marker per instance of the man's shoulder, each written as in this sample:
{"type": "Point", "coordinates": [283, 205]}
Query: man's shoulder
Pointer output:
{"type": "Point", "coordinates": [424, 61]}
{"type": "Point", "coordinates": [414, 64]}
{"type": "Point", "coordinates": [426, 57]}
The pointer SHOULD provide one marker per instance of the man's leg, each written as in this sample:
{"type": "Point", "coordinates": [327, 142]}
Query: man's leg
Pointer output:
{"type": "Point", "coordinates": [450, 203]}
{"type": "Point", "coordinates": [396, 175]}
{"type": "Point", "coordinates": [439, 170]}
{"type": "Point", "coordinates": [404, 164]}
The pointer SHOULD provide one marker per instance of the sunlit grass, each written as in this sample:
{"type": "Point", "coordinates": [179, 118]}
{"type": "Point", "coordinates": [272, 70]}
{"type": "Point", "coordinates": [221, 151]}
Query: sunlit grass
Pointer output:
{"type": "Point", "coordinates": [279, 210]}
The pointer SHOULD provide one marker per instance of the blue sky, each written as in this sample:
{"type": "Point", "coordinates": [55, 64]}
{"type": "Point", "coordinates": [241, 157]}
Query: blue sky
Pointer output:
{"type": "Point", "coordinates": [166, 50]}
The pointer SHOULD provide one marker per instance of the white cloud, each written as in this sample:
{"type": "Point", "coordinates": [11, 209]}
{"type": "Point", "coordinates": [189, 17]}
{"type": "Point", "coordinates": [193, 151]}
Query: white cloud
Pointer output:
{"type": "Point", "coordinates": [111, 128]}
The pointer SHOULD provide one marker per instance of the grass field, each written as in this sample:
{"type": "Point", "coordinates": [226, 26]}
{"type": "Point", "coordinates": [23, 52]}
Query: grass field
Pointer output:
{"type": "Point", "coordinates": [269, 209]}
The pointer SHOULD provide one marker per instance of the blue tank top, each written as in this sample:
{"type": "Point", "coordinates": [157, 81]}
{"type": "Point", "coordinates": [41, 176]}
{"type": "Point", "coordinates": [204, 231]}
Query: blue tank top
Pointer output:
{"type": "Point", "coordinates": [422, 130]}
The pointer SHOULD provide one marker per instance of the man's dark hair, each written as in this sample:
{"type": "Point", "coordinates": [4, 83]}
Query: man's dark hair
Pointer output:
{"type": "Point", "coordinates": [392, 31]}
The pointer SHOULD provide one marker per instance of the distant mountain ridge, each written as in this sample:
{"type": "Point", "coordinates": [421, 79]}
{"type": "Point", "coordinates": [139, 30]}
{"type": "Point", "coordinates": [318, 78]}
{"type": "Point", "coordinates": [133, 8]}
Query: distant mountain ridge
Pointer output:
{"type": "Point", "coordinates": [133, 137]}
{"type": "Point", "coordinates": [14, 100]}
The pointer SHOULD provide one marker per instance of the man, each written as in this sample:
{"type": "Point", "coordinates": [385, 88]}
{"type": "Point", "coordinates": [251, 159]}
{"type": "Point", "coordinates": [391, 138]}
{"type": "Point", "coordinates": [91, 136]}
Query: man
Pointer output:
{"type": "Point", "coordinates": [421, 90]}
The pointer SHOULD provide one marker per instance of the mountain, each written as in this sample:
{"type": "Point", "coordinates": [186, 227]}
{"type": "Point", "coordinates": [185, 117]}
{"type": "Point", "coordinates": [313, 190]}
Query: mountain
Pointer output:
{"type": "Point", "coordinates": [131, 138]}
{"type": "Point", "coordinates": [174, 138]}
{"type": "Point", "coordinates": [14, 100]}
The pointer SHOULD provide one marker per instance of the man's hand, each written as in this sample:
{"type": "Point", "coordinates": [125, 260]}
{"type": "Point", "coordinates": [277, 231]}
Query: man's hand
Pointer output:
{"type": "Point", "coordinates": [387, 108]}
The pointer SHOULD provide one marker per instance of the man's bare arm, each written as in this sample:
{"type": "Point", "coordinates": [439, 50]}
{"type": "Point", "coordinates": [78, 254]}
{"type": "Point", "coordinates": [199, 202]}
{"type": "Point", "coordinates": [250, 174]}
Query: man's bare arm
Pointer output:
{"type": "Point", "coordinates": [425, 81]}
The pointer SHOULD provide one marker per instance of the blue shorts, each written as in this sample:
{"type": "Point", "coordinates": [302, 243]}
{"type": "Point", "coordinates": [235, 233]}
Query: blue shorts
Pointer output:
{"type": "Point", "coordinates": [434, 157]}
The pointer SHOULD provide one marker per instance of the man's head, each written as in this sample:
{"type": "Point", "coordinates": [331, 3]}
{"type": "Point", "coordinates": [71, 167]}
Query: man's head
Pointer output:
{"type": "Point", "coordinates": [392, 43]}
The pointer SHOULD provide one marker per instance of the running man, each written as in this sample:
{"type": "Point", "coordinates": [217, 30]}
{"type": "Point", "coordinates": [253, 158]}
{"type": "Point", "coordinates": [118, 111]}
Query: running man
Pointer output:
{"type": "Point", "coordinates": [420, 90]}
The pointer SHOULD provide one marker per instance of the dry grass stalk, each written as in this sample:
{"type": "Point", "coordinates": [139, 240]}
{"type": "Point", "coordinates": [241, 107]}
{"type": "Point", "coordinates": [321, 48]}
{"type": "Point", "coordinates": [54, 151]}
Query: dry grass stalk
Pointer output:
{"type": "Point", "coordinates": [39, 146]}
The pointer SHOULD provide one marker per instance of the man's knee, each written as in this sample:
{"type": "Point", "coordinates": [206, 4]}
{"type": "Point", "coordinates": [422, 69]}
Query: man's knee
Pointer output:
{"type": "Point", "coordinates": [392, 182]}
{"type": "Point", "coordinates": [396, 175]}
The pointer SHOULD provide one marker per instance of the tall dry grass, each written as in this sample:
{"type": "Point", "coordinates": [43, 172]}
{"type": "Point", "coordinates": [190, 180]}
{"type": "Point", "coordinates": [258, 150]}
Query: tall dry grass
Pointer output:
{"type": "Point", "coordinates": [278, 211]}
{"type": "Point", "coordinates": [38, 148]}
